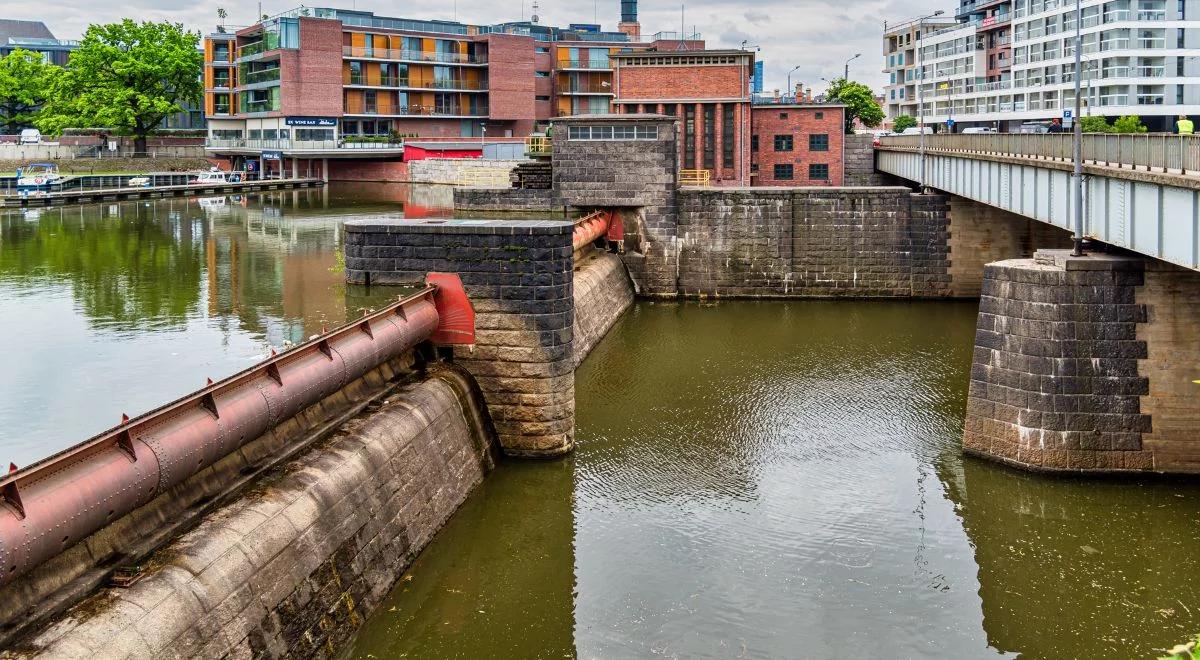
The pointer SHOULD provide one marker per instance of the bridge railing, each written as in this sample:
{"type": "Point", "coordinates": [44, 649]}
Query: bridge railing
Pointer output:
{"type": "Point", "coordinates": [1153, 152]}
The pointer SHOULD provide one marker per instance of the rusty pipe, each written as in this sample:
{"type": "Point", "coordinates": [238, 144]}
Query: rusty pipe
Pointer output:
{"type": "Point", "coordinates": [48, 506]}
{"type": "Point", "coordinates": [589, 229]}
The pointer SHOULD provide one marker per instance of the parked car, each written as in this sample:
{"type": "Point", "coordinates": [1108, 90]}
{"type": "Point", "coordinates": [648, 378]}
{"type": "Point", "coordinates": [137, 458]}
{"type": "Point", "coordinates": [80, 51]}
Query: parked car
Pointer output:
{"type": "Point", "coordinates": [975, 130]}
{"type": "Point", "coordinates": [916, 130]}
{"type": "Point", "coordinates": [1034, 127]}
{"type": "Point", "coordinates": [31, 136]}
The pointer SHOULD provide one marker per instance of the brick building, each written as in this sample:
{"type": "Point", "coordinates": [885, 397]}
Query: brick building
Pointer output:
{"type": "Point", "coordinates": [739, 140]}
{"type": "Point", "coordinates": [317, 83]}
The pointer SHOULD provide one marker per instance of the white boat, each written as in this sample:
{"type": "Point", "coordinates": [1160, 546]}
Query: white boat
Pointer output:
{"type": "Point", "coordinates": [215, 177]}
{"type": "Point", "coordinates": [38, 178]}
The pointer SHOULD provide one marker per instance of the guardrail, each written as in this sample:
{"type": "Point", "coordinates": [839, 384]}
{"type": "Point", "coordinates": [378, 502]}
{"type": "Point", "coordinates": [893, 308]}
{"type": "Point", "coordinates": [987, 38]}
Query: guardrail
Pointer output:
{"type": "Point", "coordinates": [695, 177]}
{"type": "Point", "coordinates": [538, 145]}
{"type": "Point", "coordinates": [1157, 152]}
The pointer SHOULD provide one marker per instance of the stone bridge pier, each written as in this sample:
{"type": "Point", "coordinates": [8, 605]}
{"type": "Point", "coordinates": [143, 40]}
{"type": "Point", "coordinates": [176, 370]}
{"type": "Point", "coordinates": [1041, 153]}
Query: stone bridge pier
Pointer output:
{"type": "Point", "coordinates": [1087, 364]}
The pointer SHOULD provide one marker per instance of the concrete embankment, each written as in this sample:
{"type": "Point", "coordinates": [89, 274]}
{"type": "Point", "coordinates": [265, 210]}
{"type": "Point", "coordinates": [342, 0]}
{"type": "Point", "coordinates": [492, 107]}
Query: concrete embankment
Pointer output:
{"type": "Point", "coordinates": [603, 292]}
{"type": "Point", "coordinates": [293, 566]}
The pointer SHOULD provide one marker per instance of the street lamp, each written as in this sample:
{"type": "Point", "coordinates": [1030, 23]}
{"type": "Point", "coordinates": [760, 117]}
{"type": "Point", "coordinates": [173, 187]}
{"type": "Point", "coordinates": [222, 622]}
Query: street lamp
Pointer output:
{"type": "Point", "coordinates": [846, 74]}
{"type": "Point", "coordinates": [1078, 131]}
{"type": "Point", "coordinates": [790, 90]}
{"type": "Point", "coordinates": [921, 92]}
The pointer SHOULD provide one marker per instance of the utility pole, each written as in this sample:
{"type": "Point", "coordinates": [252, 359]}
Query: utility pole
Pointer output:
{"type": "Point", "coordinates": [921, 92]}
{"type": "Point", "coordinates": [1077, 131]}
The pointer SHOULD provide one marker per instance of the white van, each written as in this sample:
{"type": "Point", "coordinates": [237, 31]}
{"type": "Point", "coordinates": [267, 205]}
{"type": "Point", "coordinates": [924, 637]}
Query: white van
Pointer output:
{"type": "Point", "coordinates": [916, 130]}
{"type": "Point", "coordinates": [31, 136]}
{"type": "Point", "coordinates": [978, 129]}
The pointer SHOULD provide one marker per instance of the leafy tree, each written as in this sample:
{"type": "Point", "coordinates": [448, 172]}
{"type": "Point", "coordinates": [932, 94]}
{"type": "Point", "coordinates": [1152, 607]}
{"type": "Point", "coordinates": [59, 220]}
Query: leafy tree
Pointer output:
{"type": "Point", "coordinates": [127, 76]}
{"type": "Point", "coordinates": [902, 122]}
{"type": "Point", "coordinates": [1095, 125]}
{"type": "Point", "coordinates": [24, 80]}
{"type": "Point", "coordinates": [1129, 124]}
{"type": "Point", "coordinates": [859, 100]}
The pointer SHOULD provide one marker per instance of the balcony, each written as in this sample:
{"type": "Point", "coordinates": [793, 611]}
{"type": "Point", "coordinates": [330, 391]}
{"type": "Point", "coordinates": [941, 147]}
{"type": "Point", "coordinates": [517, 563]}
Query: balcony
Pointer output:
{"type": "Point", "coordinates": [256, 77]}
{"type": "Point", "coordinates": [250, 50]}
{"type": "Point", "coordinates": [569, 90]}
{"type": "Point", "coordinates": [382, 109]}
{"type": "Point", "coordinates": [1151, 71]}
{"type": "Point", "coordinates": [1150, 99]}
{"type": "Point", "coordinates": [1107, 100]}
{"type": "Point", "coordinates": [221, 57]}
{"type": "Point", "coordinates": [601, 65]}
{"type": "Point", "coordinates": [1116, 15]}
{"type": "Point", "coordinates": [1152, 43]}
{"type": "Point", "coordinates": [260, 106]}
{"type": "Point", "coordinates": [411, 55]}
{"type": "Point", "coordinates": [1152, 15]}
{"type": "Point", "coordinates": [1114, 44]}
{"type": "Point", "coordinates": [397, 82]}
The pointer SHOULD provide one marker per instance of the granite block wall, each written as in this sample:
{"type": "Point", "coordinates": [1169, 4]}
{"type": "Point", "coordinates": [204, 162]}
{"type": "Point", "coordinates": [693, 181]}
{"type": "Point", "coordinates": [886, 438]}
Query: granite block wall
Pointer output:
{"type": "Point", "coordinates": [293, 567]}
{"type": "Point", "coordinates": [519, 276]}
{"type": "Point", "coordinates": [843, 242]}
{"type": "Point", "coordinates": [1055, 379]}
{"type": "Point", "coordinates": [860, 161]}
{"type": "Point", "coordinates": [603, 292]}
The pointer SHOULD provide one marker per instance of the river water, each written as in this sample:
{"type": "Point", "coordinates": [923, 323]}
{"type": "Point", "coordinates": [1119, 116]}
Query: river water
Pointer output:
{"type": "Point", "coordinates": [755, 480]}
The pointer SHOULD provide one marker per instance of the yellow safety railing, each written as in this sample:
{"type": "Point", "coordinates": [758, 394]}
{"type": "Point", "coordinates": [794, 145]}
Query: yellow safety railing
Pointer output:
{"type": "Point", "coordinates": [538, 145]}
{"type": "Point", "coordinates": [695, 177]}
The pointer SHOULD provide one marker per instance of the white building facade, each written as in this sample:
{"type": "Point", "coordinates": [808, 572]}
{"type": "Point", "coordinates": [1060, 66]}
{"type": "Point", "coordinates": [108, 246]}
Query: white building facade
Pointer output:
{"type": "Point", "coordinates": [1141, 57]}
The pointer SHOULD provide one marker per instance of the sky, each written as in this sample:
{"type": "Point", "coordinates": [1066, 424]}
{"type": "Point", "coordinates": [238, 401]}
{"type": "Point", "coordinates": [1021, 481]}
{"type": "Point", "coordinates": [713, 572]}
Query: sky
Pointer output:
{"type": "Point", "coordinates": [817, 36]}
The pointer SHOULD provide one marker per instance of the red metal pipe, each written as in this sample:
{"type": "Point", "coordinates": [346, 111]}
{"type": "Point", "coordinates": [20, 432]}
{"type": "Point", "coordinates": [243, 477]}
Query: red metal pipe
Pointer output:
{"type": "Point", "coordinates": [48, 506]}
{"type": "Point", "coordinates": [589, 229]}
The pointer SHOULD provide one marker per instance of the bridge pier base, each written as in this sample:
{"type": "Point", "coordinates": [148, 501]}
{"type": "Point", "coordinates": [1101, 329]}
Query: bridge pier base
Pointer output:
{"type": "Point", "coordinates": [519, 276]}
{"type": "Point", "coordinates": [1086, 365]}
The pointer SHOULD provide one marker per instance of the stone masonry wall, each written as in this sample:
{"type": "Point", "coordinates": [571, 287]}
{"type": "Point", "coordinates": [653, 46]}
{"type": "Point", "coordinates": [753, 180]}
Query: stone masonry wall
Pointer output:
{"type": "Point", "coordinates": [869, 242]}
{"type": "Point", "coordinates": [981, 234]}
{"type": "Point", "coordinates": [1055, 383]}
{"type": "Point", "coordinates": [293, 567]}
{"type": "Point", "coordinates": [519, 277]}
{"type": "Point", "coordinates": [603, 292]}
{"type": "Point", "coordinates": [860, 161]}
{"type": "Point", "coordinates": [508, 200]}
{"type": "Point", "coordinates": [467, 171]}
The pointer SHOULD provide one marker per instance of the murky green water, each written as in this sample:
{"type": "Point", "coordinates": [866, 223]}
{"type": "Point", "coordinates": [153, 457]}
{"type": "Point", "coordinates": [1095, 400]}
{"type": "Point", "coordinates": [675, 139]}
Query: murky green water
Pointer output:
{"type": "Point", "coordinates": [752, 479]}
{"type": "Point", "coordinates": [783, 480]}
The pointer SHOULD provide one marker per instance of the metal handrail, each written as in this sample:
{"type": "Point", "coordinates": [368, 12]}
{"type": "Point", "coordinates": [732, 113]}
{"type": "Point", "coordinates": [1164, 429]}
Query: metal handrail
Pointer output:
{"type": "Point", "coordinates": [1151, 152]}
{"type": "Point", "coordinates": [695, 177]}
{"type": "Point", "coordinates": [538, 145]}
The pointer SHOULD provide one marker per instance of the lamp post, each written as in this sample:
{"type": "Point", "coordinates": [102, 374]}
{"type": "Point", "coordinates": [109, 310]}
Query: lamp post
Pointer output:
{"type": "Point", "coordinates": [846, 71]}
{"type": "Point", "coordinates": [1077, 131]}
{"type": "Point", "coordinates": [790, 90]}
{"type": "Point", "coordinates": [921, 94]}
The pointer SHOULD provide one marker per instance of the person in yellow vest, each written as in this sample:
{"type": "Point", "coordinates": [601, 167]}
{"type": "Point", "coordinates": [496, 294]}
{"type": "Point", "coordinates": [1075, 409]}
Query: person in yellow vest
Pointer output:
{"type": "Point", "coordinates": [1185, 126]}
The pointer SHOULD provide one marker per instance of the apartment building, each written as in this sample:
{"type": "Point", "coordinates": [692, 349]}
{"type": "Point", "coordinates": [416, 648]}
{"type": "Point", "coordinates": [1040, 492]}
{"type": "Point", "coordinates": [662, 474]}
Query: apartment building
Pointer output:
{"type": "Point", "coordinates": [738, 139]}
{"type": "Point", "coordinates": [36, 37]}
{"type": "Point", "coordinates": [331, 83]}
{"type": "Point", "coordinates": [900, 62]}
{"type": "Point", "coordinates": [1140, 57]}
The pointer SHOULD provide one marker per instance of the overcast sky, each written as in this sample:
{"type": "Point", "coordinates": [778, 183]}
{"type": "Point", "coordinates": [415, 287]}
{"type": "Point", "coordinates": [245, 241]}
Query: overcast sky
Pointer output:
{"type": "Point", "coordinates": [816, 35]}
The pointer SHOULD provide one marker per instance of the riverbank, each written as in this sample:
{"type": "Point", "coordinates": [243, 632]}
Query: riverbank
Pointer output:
{"type": "Point", "coordinates": [113, 165]}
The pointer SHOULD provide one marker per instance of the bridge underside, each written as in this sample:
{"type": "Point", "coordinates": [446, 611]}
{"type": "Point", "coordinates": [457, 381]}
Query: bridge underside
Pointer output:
{"type": "Point", "coordinates": [1152, 214]}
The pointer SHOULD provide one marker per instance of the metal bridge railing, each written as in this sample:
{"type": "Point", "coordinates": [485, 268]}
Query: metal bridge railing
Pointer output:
{"type": "Point", "coordinates": [695, 177]}
{"type": "Point", "coordinates": [1152, 152]}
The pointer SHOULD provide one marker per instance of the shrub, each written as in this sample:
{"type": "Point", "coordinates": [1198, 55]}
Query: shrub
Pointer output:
{"type": "Point", "coordinates": [1129, 124]}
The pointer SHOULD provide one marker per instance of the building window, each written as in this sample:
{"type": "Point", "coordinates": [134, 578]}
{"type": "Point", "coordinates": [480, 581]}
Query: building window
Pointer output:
{"type": "Point", "coordinates": [821, 115]}
{"type": "Point", "coordinates": [689, 137]}
{"type": "Point", "coordinates": [314, 134]}
{"type": "Point", "coordinates": [753, 143]}
{"type": "Point", "coordinates": [710, 136]}
{"type": "Point", "coordinates": [541, 98]}
{"type": "Point", "coordinates": [818, 172]}
{"type": "Point", "coordinates": [783, 143]}
{"type": "Point", "coordinates": [784, 173]}
{"type": "Point", "coordinates": [783, 115]}
{"type": "Point", "coordinates": [542, 49]}
{"type": "Point", "coordinates": [818, 142]}
{"type": "Point", "coordinates": [612, 133]}
{"type": "Point", "coordinates": [542, 74]}
{"type": "Point", "coordinates": [727, 133]}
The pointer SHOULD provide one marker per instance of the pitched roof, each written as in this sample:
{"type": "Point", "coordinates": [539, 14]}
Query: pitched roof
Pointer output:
{"type": "Point", "coordinates": [10, 28]}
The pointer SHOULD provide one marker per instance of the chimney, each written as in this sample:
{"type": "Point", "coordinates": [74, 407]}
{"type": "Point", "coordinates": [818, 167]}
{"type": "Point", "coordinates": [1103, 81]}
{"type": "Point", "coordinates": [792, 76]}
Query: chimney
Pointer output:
{"type": "Point", "coordinates": [629, 19]}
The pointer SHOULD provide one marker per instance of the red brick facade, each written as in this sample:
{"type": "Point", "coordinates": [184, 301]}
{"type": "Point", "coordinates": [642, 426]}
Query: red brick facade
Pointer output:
{"type": "Point", "coordinates": [511, 79]}
{"type": "Point", "coordinates": [313, 84]}
{"type": "Point", "coordinates": [810, 127]}
{"type": "Point", "coordinates": [681, 82]}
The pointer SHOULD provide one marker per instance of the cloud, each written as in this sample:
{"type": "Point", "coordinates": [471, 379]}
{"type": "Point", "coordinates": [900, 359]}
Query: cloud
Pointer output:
{"type": "Point", "coordinates": [816, 35]}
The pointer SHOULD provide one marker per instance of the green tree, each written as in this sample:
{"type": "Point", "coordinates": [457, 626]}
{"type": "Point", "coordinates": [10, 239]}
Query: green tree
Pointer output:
{"type": "Point", "coordinates": [1129, 124]}
{"type": "Point", "coordinates": [902, 122]}
{"type": "Point", "coordinates": [24, 80]}
{"type": "Point", "coordinates": [859, 101]}
{"type": "Point", "coordinates": [126, 76]}
{"type": "Point", "coordinates": [1095, 125]}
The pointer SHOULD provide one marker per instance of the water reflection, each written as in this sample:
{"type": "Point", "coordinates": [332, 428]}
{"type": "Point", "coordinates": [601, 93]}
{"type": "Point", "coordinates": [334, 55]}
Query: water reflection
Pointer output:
{"type": "Point", "coordinates": [119, 307]}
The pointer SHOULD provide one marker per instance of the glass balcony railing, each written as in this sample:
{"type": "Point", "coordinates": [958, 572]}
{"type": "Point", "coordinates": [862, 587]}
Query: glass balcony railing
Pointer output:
{"type": "Point", "coordinates": [585, 64]}
{"type": "Point", "coordinates": [363, 108]}
{"type": "Point", "coordinates": [255, 77]}
{"type": "Point", "coordinates": [416, 83]}
{"type": "Point", "coordinates": [1151, 71]}
{"type": "Point", "coordinates": [260, 106]}
{"type": "Point", "coordinates": [348, 143]}
{"type": "Point", "coordinates": [220, 56]}
{"type": "Point", "coordinates": [1156, 42]}
{"type": "Point", "coordinates": [1150, 99]}
{"type": "Point", "coordinates": [1117, 15]}
{"type": "Point", "coordinates": [252, 49]}
{"type": "Point", "coordinates": [412, 55]}
{"type": "Point", "coordinates": [1152, 15]}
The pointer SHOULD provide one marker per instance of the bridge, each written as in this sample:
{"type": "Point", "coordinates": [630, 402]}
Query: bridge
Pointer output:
{"type": "Point", "coordinates": [1141, 191]}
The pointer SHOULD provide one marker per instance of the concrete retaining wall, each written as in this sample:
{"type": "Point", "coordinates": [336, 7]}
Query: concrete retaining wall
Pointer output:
{"type": "Point", "coordinates": [293, 567]}
{"type": "Point", "coordinates": [463, 171]}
